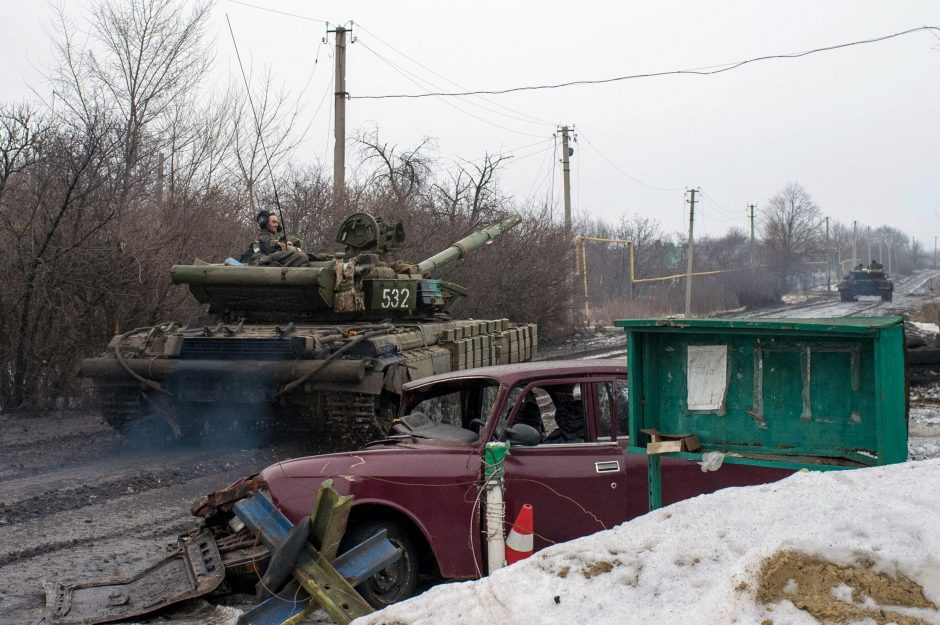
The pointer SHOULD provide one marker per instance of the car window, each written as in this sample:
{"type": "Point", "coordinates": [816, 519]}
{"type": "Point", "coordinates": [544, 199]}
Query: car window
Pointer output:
{"type": "Point", "coordinates": [459, 402]}
{"type": "Point", "coordinates": [611, 405]}
{"type": "Point", "coordinates": [502, 420]}
{"type": "Point", "coordinates": [441, 408]}
{"type": "Point", "coordinates": [556, 411]}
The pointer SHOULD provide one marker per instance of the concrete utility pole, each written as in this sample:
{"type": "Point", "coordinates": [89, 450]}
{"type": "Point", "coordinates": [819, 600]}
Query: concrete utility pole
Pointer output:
{"type": "Point", "coordinates": [828, 260]}
{"type": "Point", "coordinates": [854, 244]}
{"type": "Point", "coordinates": [566, 171]}
{"type": "Point", "coordinates": [339, 124]}
{"type": "Point", "coordinates": [752, 207]}
{"type": "Point", "coordinates": [688, 273]}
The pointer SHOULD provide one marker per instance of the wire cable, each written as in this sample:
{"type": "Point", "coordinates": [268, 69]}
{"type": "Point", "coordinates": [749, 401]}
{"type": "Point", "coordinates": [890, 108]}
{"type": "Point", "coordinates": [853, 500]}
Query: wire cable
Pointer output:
{"type": "Point", "coordinates": [254, 112]}
{"type": "Point", "coordinates": [533, 119]}
{"type": "Point", "coordinates": [698, 72]}
{"type": "Point", "coordinates": [617, 168]}
{"type": "Point", "coordinates": [260, 8]}
{"type": "Point", "coordinates": [417, 82]}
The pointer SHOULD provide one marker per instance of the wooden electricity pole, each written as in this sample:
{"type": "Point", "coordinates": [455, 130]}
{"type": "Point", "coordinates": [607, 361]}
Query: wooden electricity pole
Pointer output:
{"type": "Point", "coordinates": [688, 276]}
{"type": "Point", "coordinates": [339, 124]}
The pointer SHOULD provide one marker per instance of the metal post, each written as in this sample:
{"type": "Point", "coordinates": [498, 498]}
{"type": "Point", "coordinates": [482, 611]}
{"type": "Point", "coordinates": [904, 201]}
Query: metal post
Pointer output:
{"type": "Point", "coordinates": [339, 124]}
{"type": "Point", "coordinates": [587, 301]}
{"type": "Point", "coordinates": [630, 270]}
{"type": "Point", "coordinates": [828, 260]}
{"type": "Point", "coordinates": [494, 453]}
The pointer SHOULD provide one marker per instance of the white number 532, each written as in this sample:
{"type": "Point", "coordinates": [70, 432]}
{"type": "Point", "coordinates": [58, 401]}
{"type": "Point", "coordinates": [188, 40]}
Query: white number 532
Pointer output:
{"type": "Point", "coordinates": [395, 298]}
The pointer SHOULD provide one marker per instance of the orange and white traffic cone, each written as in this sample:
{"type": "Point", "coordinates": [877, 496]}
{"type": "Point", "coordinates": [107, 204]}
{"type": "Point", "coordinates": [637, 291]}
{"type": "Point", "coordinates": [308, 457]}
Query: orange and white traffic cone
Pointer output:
{"type": "Point", "coordinates": [519, 542]}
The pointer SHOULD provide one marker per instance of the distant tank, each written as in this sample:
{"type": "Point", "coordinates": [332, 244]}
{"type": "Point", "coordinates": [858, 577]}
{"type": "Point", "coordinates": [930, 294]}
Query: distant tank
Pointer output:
{"type": "Point", "coordinates": [323, 348]}
{"type": "Point", "coordinates": [871, 280]}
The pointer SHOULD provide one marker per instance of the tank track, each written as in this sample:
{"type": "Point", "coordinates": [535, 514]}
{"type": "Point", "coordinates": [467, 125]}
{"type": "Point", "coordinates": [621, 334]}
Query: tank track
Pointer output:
{"type": "Point", "coordinates": [120, 405]}
{"type": "Point", "coordinates": [351, 420]}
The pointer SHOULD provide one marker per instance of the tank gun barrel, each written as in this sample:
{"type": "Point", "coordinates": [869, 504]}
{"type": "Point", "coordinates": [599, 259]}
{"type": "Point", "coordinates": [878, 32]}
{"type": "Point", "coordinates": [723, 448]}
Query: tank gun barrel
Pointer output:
{"type": "Point", "coordinates": [468, 244]}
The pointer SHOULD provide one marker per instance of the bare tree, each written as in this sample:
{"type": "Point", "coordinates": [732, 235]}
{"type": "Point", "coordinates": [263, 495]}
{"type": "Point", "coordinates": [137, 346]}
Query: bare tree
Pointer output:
{"type": "Point", "coordinates": [58, 221]}
{"type": "Point", "coordinates": [399, 174]}
{"type": "Point", "coordinates": [471, 191]}
{"type": "Point", "coordinates": [145, 55]}
{"type": "Point", "coordinates": [790, 232]}
{"type": "Point", "coordinates": [264, 134]}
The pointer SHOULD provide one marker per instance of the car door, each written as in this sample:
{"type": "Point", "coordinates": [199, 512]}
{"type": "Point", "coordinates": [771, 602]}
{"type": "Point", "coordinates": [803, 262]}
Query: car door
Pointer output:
{"type": "Point", "coordinates": [575, 488]}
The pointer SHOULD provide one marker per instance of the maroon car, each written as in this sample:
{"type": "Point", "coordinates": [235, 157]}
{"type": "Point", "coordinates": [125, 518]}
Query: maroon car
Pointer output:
{"type": "Point", "coordinates": [567, 424]}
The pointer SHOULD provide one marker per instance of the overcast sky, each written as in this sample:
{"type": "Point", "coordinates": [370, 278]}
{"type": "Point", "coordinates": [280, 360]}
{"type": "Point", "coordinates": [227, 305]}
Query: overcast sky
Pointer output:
{"type": "Point", "coordinates": [857, 127]}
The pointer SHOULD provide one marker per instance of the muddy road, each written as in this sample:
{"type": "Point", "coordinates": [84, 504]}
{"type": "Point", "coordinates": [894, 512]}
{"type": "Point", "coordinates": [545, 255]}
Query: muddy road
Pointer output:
{"type": "Point", "coordinates": [79, 502]}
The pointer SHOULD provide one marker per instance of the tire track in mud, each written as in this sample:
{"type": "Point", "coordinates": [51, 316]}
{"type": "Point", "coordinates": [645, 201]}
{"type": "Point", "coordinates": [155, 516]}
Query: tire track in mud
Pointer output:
{"type": "Point", "coordinates": [51, 502]}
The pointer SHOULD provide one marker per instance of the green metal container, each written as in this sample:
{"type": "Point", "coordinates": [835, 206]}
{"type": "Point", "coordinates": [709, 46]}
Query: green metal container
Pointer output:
{"type": "Point", "coordinates": [788, 393]}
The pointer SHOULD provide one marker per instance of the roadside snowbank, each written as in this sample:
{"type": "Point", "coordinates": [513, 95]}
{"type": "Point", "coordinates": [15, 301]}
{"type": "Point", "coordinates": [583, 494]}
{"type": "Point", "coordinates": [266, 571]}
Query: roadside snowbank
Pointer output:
{"type": "Point", "coordinates": [847, 546]}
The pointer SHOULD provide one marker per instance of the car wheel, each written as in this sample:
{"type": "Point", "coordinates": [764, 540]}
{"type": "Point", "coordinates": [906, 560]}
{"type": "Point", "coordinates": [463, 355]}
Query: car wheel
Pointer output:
{"type": "Point", "coordinates": [397, 581]}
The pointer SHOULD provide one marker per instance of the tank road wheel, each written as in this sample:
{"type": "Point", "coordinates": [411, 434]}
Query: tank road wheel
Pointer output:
{"type": "Point", "coordinates": [352, 420]}
{"type": "Point", "coordinates": [399, 580]}
{"type": "Point", "coordinates": [120, 405]}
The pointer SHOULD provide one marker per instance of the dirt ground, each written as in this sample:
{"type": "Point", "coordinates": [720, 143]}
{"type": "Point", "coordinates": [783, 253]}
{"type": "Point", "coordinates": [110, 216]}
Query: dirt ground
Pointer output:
{"type": "Point", "coordinates": [813, 584]}
{"type": "Point", "coordinates": [78, 502]}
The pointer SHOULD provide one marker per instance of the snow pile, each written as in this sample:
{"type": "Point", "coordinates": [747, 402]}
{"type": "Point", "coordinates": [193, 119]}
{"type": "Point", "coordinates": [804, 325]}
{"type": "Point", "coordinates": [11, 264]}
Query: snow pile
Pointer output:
{"type": "Point", "coordinates": [846, 546]}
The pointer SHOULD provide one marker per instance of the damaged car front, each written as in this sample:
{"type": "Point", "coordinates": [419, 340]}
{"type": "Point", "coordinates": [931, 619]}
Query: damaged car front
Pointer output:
{"type": "Point", "coordinates": [420, 486]}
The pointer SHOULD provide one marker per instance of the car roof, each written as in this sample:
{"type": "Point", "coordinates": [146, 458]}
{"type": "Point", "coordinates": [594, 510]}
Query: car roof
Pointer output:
{"type": "Point", "coordinates": [510, 374]}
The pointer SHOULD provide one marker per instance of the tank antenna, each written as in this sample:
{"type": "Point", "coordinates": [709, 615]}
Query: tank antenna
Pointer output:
{"type": "Point", "coordinates": [264, 150]}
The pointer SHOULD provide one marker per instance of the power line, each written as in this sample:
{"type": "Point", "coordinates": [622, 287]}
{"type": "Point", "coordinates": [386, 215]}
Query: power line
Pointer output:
{"type": "Point", "coordinates": [699, 72]}
{"type": "Point", "coordinates": [535, 120]}
{"type": "Point", "coordinates": [424, 83]}
{"type": "Point", "coordinates": [416, 80]}
{"type": "Point", "coordinates": [260, 8]}
{"type": "Point", "coordinates": [616, 167]}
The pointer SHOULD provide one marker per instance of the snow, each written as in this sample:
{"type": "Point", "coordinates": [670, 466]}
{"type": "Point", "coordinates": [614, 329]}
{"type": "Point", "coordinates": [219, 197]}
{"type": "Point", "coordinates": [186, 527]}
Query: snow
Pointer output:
{"type": "Point", "coordinates": [925, 328]}
{"type": "Point", "coordinates": [700, 560]}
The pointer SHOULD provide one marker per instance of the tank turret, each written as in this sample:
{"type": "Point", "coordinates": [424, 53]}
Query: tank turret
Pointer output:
{"type": "Point", "coordinates": [324, 347]}
{"type": "Point", "coordinates": [862, 280]}
{"type": "Point", "coordinates": [358, 283]}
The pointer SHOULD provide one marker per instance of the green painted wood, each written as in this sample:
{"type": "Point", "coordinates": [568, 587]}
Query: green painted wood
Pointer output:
{"type": "Point", "coordinates": [849, 325]}
{"type": "Point", "coordinates": [800, 392]}
{"type": "Point", "coordinates": [654, 477]}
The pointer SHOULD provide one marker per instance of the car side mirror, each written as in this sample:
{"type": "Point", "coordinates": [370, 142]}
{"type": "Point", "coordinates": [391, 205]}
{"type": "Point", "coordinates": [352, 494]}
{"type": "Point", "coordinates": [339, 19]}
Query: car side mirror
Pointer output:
{"type": "Point", "coordinates": [522, 434]}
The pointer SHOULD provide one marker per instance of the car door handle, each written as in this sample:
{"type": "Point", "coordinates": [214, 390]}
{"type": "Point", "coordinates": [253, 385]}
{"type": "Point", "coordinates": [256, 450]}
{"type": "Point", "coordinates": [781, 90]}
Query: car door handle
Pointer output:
{"type": "Point", "coordinates": [607, 466]}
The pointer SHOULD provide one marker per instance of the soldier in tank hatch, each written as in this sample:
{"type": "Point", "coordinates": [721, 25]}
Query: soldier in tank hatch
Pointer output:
{"type": "Point", "coordinates": [272, 247]}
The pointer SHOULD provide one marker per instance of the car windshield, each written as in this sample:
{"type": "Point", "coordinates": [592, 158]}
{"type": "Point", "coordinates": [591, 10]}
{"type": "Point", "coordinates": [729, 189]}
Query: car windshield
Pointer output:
{"type": "Point", "coordinates": [462, 403]}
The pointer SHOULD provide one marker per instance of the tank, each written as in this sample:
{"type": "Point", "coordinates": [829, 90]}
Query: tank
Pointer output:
{"type": "Point", "coordinates": [322, 348]}
{"type": "Point", "coordinates": [871, 280]}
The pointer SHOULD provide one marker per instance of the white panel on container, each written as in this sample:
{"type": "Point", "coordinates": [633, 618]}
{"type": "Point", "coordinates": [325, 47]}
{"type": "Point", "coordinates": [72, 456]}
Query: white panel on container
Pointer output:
{"type": "Point", "coordinates": [707, 377]}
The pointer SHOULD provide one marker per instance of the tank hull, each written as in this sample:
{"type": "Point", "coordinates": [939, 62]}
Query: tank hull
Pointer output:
{"type": "Point", "coordinates": [336, 383]}
{"type": "Point", "coordinates": [865, 282]}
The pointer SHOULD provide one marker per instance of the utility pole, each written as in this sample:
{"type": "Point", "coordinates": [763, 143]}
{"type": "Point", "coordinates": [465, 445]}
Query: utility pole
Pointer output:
{"type": "Point", "coordinates": [752, 207]}
{"type": "Point", "coordinates": [854, 244]}
{"type": "Point", "coordinates": [688, 273]}
{"type": "Point", "coordinates": [339, 123]}
{"type": "Point", "coordinates": [566, 171]}
{"type": "Point", "coordinates": [868, 241]}
{"type": "Point", "coordinates": [935, 252]}
{"type": "Point", "coordinates": [828, 260]}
